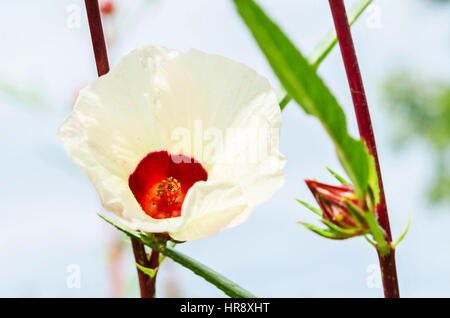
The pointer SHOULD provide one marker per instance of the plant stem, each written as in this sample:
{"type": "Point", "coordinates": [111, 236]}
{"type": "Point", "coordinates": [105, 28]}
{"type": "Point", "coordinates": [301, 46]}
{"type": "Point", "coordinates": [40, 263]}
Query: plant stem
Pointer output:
{"type": "Point", "coordinates": [146, 283]}
{"type": "Point", "coordinates": [387, 263]}
{"type": "Point", "coordinates": [97, 36]}
{"type": "Point", "coordinates": [389, 274]}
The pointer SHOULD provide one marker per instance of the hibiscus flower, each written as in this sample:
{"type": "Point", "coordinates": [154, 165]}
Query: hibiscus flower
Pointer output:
{"type": "Point", "coordinates": [178, 143]}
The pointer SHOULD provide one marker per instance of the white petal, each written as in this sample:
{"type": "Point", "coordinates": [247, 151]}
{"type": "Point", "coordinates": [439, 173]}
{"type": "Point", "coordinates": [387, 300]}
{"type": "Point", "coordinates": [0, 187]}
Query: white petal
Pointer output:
{"type": "Point", "coordinates": [215, 90]}
{"type": "Point", "coordinates": [112, 127]}
{"type": "Point", "coordinates": [210, 207]}
{"type": "Point", "coordinates": [216, 94]}
{"type": "Point", "coordinates": [155, 92]}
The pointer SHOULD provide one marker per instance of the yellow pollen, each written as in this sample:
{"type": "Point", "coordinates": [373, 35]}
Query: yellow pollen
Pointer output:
{"type": "Point", "coordinates": [169, 188]}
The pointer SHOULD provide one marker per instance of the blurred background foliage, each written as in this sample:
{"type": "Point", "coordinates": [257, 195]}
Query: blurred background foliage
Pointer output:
{"type": "Point", "coordinates": [420, 109]}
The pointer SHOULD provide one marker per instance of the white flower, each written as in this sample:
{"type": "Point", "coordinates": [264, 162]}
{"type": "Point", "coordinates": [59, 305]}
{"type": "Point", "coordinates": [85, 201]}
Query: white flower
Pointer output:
{"type": "Point", "coordinates": [183, 143]}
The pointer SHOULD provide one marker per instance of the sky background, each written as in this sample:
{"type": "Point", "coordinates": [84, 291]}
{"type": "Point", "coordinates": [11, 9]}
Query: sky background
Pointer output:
{"type": "Point", "coordinates": [48, 210]}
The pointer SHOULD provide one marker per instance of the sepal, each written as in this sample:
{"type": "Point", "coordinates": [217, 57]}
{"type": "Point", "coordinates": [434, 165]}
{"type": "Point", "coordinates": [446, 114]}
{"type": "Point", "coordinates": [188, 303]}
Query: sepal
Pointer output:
{"type": "Point", "coordinates": [345, 214]}
{"type": "Point", "coordinates": [327, 233]}
{"type": "Point", "coordinates": [405, 230]}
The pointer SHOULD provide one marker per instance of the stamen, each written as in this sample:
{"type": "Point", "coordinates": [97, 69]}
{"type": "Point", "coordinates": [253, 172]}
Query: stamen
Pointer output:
{"type": "Point", "coordinates": [169, 189]}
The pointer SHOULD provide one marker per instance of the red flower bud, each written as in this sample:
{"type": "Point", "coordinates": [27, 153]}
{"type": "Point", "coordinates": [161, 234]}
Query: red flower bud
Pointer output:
{"type": "Point", "coordinates": [340, 206]}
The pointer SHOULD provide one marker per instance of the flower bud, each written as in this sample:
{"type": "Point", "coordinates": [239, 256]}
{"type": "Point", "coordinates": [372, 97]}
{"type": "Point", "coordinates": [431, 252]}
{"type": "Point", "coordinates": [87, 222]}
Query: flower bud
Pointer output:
{"type": "Point", "coordinates": [340, 206]}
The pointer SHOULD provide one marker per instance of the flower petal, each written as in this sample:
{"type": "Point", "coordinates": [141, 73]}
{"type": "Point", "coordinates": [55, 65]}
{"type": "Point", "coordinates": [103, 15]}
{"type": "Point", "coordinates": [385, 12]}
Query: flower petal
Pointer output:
{"type": "Point", "coordinates": [205, 94]}
{"type": "Point", "coordinates": [209, 208]}
{"type": "Point", "coordinates": [112, 128]}
{"type": "Point", "coordinates": [155, 95]}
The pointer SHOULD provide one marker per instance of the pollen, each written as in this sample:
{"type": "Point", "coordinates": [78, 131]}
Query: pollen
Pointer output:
{"type": "Point", "coordinates": [169, 189]}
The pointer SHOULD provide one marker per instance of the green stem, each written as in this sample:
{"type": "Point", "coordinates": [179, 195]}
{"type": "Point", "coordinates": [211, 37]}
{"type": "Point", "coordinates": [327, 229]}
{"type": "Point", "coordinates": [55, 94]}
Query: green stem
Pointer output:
{"type": "Point", "coordinates": [325, 46]}
{"type": "Point", "coordinates": [159, 245]}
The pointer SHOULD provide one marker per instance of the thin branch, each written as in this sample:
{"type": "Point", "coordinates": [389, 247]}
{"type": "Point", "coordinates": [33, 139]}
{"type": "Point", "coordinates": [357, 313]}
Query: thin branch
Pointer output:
{"type": "Point", "coordinates": [348, 52]}
{"type": "Point", "coordinates": [98, 39]}
{"type": "Point", "coordinates": [146, 283]}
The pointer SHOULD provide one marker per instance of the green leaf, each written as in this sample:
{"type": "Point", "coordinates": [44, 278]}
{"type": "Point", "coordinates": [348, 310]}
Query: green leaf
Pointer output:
{"type": "Point", "coordinates": [330, 40]}
{"type": "Point", "coordinates": [283, 98]}
{"type": "Point", "coordinates": [338, 177]}
{"type": "Point", "coordinates": [129, 232]}
{"type": "Point", "coordinates": [327, 233]}
{"type": "Point", "coordinates": [227, 286]}
{"type": "Point", "coordinates": [373, 183]}
{"type": "Point", "coordinates": [325, 46]}
{"type": "Point", "coordinates": [149, 271]}
{"type": "Point", "coordinates": [300, 80]}
{"type": "Point", "coordinates": [310, 207]}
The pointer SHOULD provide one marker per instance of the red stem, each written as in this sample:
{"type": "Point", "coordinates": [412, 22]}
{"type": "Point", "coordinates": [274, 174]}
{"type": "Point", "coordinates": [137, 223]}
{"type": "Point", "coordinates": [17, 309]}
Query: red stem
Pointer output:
{"type": "Point", "coordinates": [387, 263]}
{"type": "Point", "coordinates": [98, 39]}
{"type": "Point", "coordinates": [146, 283]}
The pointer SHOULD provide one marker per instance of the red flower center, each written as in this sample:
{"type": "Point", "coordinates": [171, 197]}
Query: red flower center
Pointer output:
{"type": "Point", "coordinates": [161, 181]}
